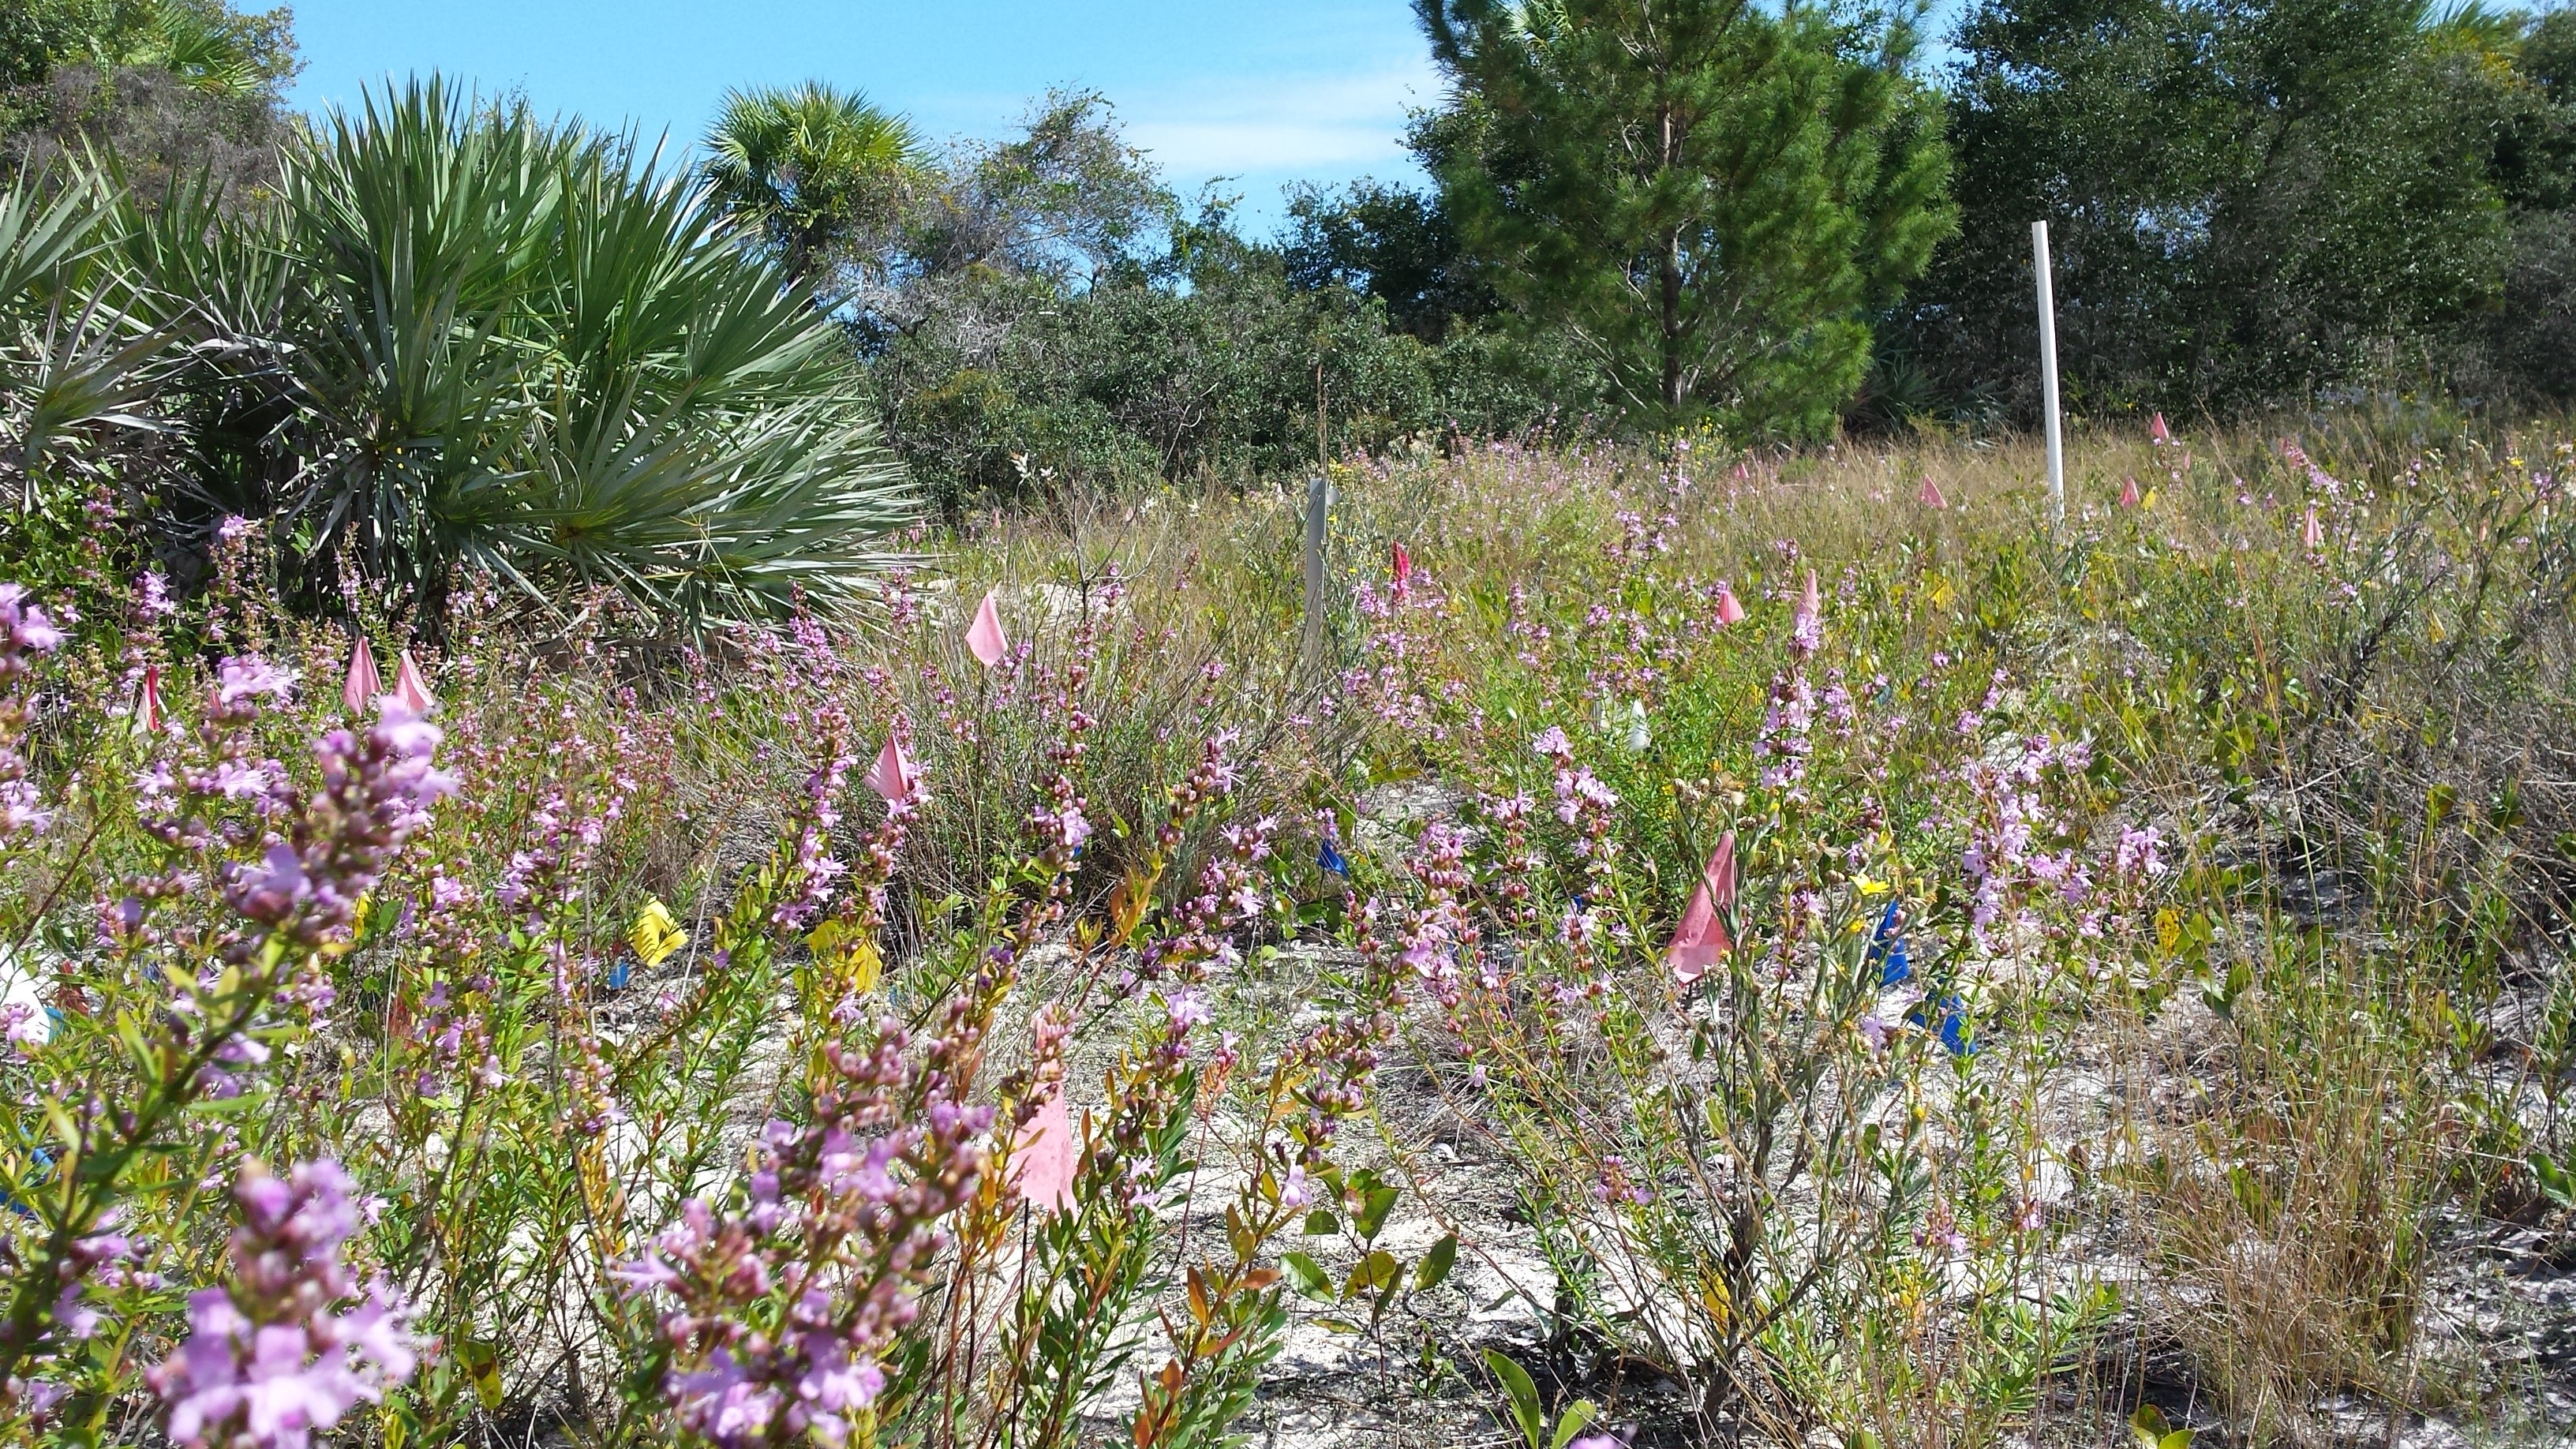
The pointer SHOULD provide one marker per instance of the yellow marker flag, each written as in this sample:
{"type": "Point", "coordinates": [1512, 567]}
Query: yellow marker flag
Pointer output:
{"type": "Point", "coordinates": [655, 935]}
{"type": "Point", "coordinates": [848, 952]}
{"type": "Point", "coordinates": [865, 966]}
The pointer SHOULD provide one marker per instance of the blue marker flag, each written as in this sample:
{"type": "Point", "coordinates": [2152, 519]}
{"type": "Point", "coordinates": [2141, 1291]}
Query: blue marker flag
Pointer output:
{"type": "Point", "coordinates": [1887, 950]}
{"type": "Point", "coordinates": [1329, 860]}
{"type": "Point", "coordinates": [44, 1164]}
{"type": "Point", "coordinates": [1955, 1035]}
{"type": "Point", "coordinates": [617, 974]}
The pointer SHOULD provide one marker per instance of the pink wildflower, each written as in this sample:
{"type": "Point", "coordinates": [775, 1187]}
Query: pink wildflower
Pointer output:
{"type": "Point", "coordinates": [237, 680]}
{"type": "Point", "coordinates": [24, 629]}
{"type": "Point", "coordinates": [2138, 852]}
{"type": "Point", "coordinates": [267, 1364]}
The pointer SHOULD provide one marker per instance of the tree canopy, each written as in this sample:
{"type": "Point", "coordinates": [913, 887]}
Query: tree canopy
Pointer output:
{"type": "Point", "coordinates": [1707, 193]}
{"type": "Point", "coordinates": [2247, 200]}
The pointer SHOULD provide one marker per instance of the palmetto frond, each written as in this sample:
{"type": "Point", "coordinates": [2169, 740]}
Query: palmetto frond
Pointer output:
{"type": "Point", "coordinates": [466, 337]}
{"type": "Point", "coordinates": [72, 352]}
{"type": "Point", "coordinates": [785, 506]}
{"type": "Point", "coordinates": [45, 232]}
{"type": "Point", "coordinates": [202, 51]}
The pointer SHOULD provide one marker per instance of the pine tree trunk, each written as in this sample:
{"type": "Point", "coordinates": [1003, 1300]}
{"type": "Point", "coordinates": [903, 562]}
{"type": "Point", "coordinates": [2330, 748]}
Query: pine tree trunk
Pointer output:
{"type": "Point", "coordinates": [1671, 266]}
{"type": "Point", "coordinates": [1672, 319]}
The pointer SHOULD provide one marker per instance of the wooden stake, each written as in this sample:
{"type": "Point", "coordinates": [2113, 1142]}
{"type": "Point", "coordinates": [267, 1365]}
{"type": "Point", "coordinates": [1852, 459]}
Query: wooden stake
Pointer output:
{"type": "Point", "coordinates": [1319, 499]}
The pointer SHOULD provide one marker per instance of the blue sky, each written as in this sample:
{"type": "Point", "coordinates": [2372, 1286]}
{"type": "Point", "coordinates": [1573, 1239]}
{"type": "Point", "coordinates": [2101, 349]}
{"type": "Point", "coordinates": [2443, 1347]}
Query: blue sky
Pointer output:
{"type": "Point", "coordinates": [1265, 93]}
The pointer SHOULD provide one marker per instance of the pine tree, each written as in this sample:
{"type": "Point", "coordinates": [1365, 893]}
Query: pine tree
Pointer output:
{"type": "Point", "coordinates": [1709, 194]}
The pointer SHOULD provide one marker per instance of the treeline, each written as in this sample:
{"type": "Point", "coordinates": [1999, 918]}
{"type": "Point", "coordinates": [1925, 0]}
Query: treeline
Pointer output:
{"type": "Point", "coordinates": [2254, 204]}
{"type": "Point", "coordinates": [1690, 213]}
{"type": "Point", "coordinates": [1045, 309]}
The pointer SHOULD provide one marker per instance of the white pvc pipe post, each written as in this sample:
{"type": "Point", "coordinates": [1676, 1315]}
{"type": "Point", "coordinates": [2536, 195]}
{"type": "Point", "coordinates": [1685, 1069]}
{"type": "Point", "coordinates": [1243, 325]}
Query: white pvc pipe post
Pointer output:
{"type": "Point", "coordinates": [2048, 370]}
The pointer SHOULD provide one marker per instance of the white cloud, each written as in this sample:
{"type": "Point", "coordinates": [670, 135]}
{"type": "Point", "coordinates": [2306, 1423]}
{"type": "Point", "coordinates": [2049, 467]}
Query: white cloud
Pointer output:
{"type": "Point", "coordinates": [1238, 126]}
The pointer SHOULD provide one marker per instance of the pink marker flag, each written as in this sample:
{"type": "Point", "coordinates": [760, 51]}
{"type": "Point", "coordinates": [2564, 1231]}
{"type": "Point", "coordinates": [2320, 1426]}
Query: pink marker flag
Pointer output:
{"type": "Point", "coordinates": [1700, 941]}
{"type": "Point", "coordinates": [148, 708]}
{"type": "Point", "coordinates": [363, 683]}
{"type": "Point", "coordinates": [2158, 431]}
{"type": "Point", "coordinates": [2129, 494]}
{"type": "Point", "coordinates": [1047, 1157]}
{"type": "Point", "coordinates": [411, 689]}
{"type": "Point", "coordinates": [895, 776]}
{"type": "Point", "coordinates": [1929, 495]}
{"type": "Point", "coordinates": [2313, 532]}
{"type": "Point", "coordinates": [984, 636]}
{"type": "Point", "coordinates": [1403, 565]}
{"type": "Point", "coordinates": [1730, 610]}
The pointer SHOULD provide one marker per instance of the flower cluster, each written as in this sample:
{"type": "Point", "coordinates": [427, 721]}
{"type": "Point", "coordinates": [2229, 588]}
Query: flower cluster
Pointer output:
{"type": "Point", "coordinates": [1428, 938]}
{"type": "Point", "coordinates": [816, 868]}
{"type": "Point", "coordinates": [785, 1306]}
{"type": "Point", "coordinates": [105, 1258]}
{"type": "Point", "coordinates": [1336, 1061]}
{"type": "Point", "coordinates": [24, 632]}
{"type": "Point", "coordinates": [1582, 802]}
{"type": "Point", "coordinates": [268, 1363]}
{"type": "Point", "coordinates": [1512, 861]}
{"type": "Point", "coordinates": [1787, 725]}
{"type": "Point", "coordinates": [2140, 853]}
{"type": "Point", "coordinates": [2010, 821]}
{"type": "Point", "coordinates": [376, 790]}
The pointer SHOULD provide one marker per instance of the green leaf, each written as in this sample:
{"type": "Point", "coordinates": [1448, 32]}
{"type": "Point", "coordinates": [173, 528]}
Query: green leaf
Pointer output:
{"type": "Point", "coordinates": [1373, 1215]}
{"type": "Point", "coordinates": [483, 1369]}
{"type": "Point", "coordinates": [1309, 1277]}
{"type": "Point", "coordinates": [2439, 801]}
{"type": "Point", "coordinates": [1375, 1271]}
{"type": "Point", "coordinates": [1321, 1223]}
{"type": "Point", "coordinates": [2152, 1432]}
{"type": "Point", "coordinates": [1435, 1264]}
{"type": "Point", "coordinates": [1576, 1418]}
{"type": "Point", "coordinates": [2556, 1183]}
{"type": "Point", "coordinates": [1524, 1395]}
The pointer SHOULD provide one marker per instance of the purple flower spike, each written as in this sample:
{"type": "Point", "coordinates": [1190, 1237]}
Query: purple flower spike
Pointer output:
{"type": "Point", "coordinates": [267, 1364]}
